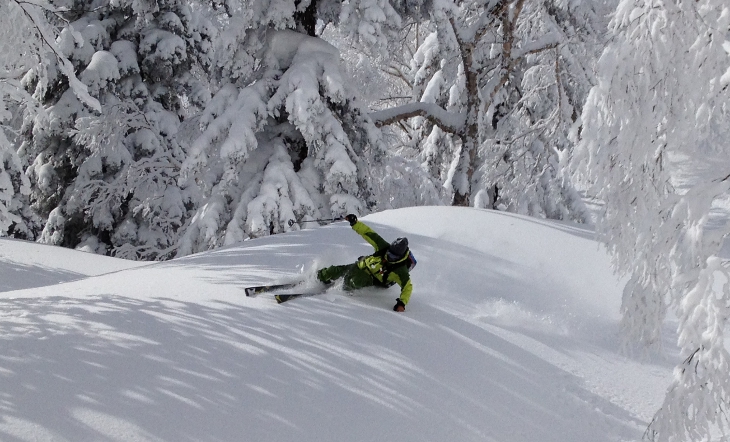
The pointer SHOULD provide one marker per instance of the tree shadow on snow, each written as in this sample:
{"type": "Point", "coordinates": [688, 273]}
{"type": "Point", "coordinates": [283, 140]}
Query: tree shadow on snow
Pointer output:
{"type": "Point", "coordinates": [16, 276]}
{"type": "Point", "coordinates": [116, 368]}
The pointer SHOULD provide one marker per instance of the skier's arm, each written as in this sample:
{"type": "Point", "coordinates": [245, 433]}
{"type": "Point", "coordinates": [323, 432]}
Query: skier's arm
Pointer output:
{"type": "Point", "coordinates": [370, 236]}
{"type": "Point", "coordinates": [403, 279]}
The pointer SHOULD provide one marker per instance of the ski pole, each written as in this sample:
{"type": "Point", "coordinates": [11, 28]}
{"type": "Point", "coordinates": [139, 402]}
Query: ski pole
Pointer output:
{"type": "Point", "coordinates": [324, 220]}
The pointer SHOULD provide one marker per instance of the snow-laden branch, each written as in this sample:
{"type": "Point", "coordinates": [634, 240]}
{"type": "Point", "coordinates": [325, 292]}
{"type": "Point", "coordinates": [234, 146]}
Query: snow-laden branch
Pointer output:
{"type": "Point", "coordinates": [549, 41]}
{"type": "Point", "coordinates": [34, 13]}
{"type": "Point", "coordinates": [448, 121]}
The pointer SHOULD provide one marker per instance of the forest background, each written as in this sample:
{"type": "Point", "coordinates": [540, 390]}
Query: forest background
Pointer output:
{"type": "Point", "coordinates": [150, 129]}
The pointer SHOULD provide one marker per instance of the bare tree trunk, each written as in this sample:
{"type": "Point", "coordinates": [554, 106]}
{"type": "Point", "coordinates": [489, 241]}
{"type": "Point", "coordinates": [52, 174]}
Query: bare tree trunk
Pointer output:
{"type": "Point", "coordinates": [467, 164]}
{"type": "Point", "coordinates": [470, 137]}
{"type": "Point", "coordinates": [502, 15]}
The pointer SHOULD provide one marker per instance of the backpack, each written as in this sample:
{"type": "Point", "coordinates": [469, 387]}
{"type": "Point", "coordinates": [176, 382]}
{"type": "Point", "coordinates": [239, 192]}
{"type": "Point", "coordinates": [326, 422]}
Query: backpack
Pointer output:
{"type": "Point", "coordinates": [411, 261]}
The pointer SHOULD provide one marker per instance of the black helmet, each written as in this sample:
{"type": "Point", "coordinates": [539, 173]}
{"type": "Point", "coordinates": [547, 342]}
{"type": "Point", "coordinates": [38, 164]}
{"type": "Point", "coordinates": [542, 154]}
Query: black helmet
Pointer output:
{"type": "Point", "coordinates": [397, 250]}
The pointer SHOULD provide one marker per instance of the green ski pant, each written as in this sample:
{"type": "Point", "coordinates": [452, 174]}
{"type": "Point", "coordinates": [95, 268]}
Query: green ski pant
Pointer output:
{"type": "Point", "coordinates": [355, 277]}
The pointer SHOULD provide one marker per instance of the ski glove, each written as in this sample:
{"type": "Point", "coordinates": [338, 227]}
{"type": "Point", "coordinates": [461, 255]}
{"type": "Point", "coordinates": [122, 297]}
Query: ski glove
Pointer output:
{"type": "Point", "coordinates": [352, 219]}
{"type": "Point", "coordinates": [399, 306]}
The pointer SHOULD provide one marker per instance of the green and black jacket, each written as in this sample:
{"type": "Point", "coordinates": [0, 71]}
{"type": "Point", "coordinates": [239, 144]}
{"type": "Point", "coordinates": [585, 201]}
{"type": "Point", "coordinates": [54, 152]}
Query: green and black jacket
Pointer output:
{"type": "Point", "coordinates": [384, 272]}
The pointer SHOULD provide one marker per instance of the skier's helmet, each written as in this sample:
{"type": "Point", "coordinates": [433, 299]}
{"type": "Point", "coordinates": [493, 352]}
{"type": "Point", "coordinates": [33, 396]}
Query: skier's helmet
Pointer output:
{"type": "Point", "coordinates": [397, 250]}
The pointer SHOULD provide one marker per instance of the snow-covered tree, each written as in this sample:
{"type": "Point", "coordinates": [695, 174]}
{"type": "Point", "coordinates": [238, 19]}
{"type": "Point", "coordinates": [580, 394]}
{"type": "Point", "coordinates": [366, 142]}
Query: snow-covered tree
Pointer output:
{"type": "Point", "coordinates": [13, 183]}
{"type": "Point", "coordinates": [498, 86]}
{"type": "Point", "coordinates": [385, 80]}
{"type": "Point", "coordinates": [105, 178]}
{"type": "Point", "coordinates": [27, 39]}
{"type": "Point", "coordinates": [284, 135]}
{"type": "Point", "coordinates": [655, 148]}
{"type": "Point", "coordinates": [285, 138]}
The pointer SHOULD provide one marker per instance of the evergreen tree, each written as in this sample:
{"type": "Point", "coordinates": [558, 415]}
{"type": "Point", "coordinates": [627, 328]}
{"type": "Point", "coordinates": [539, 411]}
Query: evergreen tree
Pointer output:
{"type": "Point", "coordinates": [105, 179]}
{"type": "Point", "coordinates": [27, 40]}
{"type": "Point", "coordinates": [285, 138]}
{"type": "Point", "coordinates": [13, 53]}
{"type": "Point", "coordinates": [13, 183]}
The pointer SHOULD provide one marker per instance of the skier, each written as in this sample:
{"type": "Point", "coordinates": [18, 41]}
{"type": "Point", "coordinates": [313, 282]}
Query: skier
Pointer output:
{"type": "Point", "coordinates": [389, 265]}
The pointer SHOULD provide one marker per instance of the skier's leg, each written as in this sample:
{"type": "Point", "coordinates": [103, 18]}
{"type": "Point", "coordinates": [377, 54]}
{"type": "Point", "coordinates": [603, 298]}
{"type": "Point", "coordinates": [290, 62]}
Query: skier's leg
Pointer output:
{"type": "Point", "coordinates": [329, 274]}
{"type": "Point", "coordinates": [357, 278]}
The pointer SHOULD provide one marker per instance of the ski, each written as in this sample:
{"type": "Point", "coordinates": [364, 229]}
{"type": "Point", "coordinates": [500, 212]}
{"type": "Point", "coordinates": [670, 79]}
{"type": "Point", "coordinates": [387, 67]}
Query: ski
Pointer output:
{"type": "Point", "coordinates": [284, 298]}
{"type": "Point", "coordinates": [257, 290]}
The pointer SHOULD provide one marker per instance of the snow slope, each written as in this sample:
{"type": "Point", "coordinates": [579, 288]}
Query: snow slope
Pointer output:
{"type": "Point", "coordinates": [26, 265]}
{"type": "Point", "coordinates": [511, 335]}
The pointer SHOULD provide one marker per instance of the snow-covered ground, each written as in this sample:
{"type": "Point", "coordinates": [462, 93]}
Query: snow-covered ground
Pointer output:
{"type": "Point", "coordinates": [510, 336]}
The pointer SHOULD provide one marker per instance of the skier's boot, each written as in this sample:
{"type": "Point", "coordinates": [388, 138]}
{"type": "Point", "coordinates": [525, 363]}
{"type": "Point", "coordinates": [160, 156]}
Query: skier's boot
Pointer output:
{"type": "Point", "coordinates": [321, 275]}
